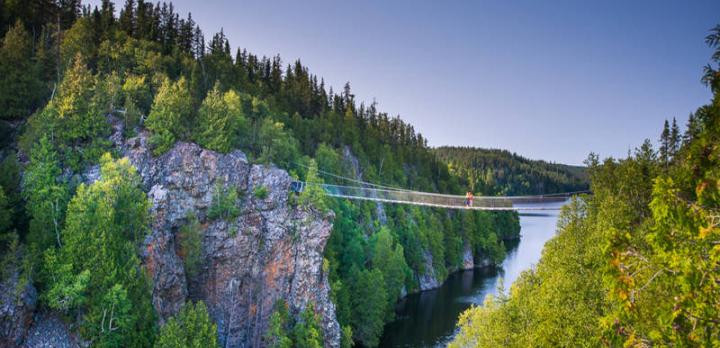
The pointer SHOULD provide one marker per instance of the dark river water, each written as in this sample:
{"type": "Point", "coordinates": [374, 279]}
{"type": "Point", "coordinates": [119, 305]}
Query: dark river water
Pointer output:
{"type": "Point", "coordinates": [428, 319]}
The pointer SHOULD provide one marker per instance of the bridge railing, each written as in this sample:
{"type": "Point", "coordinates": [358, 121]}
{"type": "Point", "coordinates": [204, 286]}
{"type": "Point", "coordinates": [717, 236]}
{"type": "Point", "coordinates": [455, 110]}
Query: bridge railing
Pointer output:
{"type": "Point", "coordinates": [428, 199]}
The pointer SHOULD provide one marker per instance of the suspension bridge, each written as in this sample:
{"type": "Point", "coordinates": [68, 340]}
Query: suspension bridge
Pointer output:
{"type": "Point", "coordinates": [361, 190]}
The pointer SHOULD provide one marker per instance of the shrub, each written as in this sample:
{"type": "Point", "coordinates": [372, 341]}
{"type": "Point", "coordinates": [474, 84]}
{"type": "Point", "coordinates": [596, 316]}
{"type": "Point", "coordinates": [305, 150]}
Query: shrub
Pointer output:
{"type": "Point", "coordinates": [191, 327]}
{"type": "Point", "coordinates": [191, 244]}
{"type": "Point", "coordinates": [313, 194]}
{"type": "Point", "coordinates": [261, 192]}
{"type": "Point", "coordinates": [224, 204]}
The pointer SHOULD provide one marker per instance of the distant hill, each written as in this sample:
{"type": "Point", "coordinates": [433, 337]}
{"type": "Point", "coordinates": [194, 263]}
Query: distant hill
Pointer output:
{"type": "Point", "coordinates": [500, 172]}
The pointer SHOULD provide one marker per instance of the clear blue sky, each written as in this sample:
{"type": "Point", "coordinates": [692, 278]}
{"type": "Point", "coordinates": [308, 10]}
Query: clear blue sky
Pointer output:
{"type": "Point", "coordinates": [550, 80]}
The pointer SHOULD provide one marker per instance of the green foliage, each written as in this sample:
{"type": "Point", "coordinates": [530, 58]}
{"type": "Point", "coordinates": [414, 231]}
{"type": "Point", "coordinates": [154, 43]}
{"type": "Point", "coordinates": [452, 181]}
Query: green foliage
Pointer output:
{"type": "Point", "coordinates": [75, 119]}
{"type": "Point", "coordinates": [261, 192]}
{"type": "Point", "coordinates": [499, 172]}
{"type": "Point", "coordinates": [537, 312]}
{"type": "Point", "coordinates": [10, 182]}
{"type": "Point", "coordinates": [151, 62]}
{"type": "Point", "coordinates": [328, 159]}
{"type": "Point", "coordinates": [313, 195]}
{"type": "Point", "coordinates": [276, 144]}
{"type": "Point", "coordinates": [190, 328]}
{"type": "Point", "coordinates": [191, 244]}
{"type": "Point", "coordinates": [346, 340]}
{"type": "Point", "coordinates": [136, 89]}
{"type": "Point", "coordinates": [369, 301]}
{"type": "Point", "coordinates": [46, 196]}
{"type": "Point", "coordinates": [635, 264]}
{"type": "Point", "coordinates": [389, 259]}
{"type": "Point", "coordinates": [96, 273]}
{"type": "Point", "coordinates": [138, 100]}
{"type": "Point", "coordinates": [20, 84]}
{"type": "Point", "coordinates": [171, 116]}
{"type": "Point", "coordinates": [224, 204]}
{"type": "Point", "coordinates": [222, 123]}
{"type": "Point", "coordinates": [5, 213]}
{"type": "Point", "coordinates": [277, 333]}
{"type": "Point", "coordinates": [77, 41]}
{"type": "Point", "coordinates": [307, 332]}
{"type": "Point", "coordinates": [8, 238]}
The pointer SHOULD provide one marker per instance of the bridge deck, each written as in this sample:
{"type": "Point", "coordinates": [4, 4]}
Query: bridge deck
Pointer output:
{"type": "Point", "coordinates": [435, 199]}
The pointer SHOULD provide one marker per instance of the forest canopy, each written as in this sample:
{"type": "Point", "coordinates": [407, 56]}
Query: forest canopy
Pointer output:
{"type": "Point", "coordinates": [69, 72]}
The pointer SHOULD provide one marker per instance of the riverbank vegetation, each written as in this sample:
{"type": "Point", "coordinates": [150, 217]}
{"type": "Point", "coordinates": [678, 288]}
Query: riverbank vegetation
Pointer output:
{"type": "Point", "coordinates": [635, 264]}
{"type": "Point", "coordinates": [500, 172]}
{"type": "Point", "coordinates": [66, 69]}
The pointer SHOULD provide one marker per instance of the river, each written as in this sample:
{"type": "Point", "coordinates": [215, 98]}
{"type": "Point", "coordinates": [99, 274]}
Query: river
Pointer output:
{"type": "Point", "coordinates": [427, 319]}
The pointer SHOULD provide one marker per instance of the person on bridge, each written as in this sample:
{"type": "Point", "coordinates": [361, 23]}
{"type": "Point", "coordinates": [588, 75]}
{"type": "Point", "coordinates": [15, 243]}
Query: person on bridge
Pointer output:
{"type": "Point", "coordinates": [468, 199]}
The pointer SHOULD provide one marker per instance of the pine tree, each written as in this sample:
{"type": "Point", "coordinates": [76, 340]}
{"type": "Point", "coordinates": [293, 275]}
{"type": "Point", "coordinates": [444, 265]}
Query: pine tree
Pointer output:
{"type": "Point", "coordinates": [127, 18]}
{"type": "Point", "coordinates": [368, 301]}
{"type": "Point", "coordinates": [78, 40]}
{"type": "Point", "coordinates": [277, 331]}
{"type": "Point", "coordinates": [69, 12]}
{"type": "Point", "coordinates": [675, 140]}
{"type": "Point", "coordinates": [307, 332]}
{"type": "Point", "coordinates": [389, 259]}
{"type": "Point", "coordinates": [96, 273]}
{"type": "Point", "coordinates": [665, 144]}
{"type": "Point", "coordinates": [171, 117]}
{"type": "Point", "coordinates": [222, 122]}
{"type": "Point", "coordinates": [46, 196]}
{"type": "Point", "coordinates": [19, 78]}
{"type": "Point", "coordinates": [190, 328]}
{"type": "Point", "coordinates": [76, 117]}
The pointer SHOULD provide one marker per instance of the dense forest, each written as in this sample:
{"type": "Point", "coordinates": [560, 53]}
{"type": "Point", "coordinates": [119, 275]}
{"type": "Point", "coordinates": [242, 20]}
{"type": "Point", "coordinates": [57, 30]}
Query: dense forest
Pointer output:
{"type": "Point", "coordinates": [637, 263]}
{"type": "Point", "coordinates": [65, 69]}
{"type": "Point", "coordinates": [499, 172]}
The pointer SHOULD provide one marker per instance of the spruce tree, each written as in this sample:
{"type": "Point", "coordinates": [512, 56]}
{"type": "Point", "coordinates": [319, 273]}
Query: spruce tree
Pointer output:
{"type": "Point", "coordinates": [127, 18]}
{"type": "Point", "coordinates": [96, 273]}
{"type": "Point", "coordinates": [46, 196]}
{"type": "Point", "coordinates": [665, 144]}
{"type": "Point", "coordinates": [190, 328]}
{"type": "Point", "coordinates": [19, 79]}
{"type": "Point", "coordinates": [222, 122]}
{"type": "Point", "coordinates": [78, 40]}
{"type": "Point", "coordinates": [675, 141]}
{"type": "Point", "coordinates": [172, 115]}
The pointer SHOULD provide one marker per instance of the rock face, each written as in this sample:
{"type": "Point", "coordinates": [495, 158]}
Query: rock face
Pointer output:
{"type": "Point", "coordinates": [48, 330]}
{"type": "Point", "coordinates": [468, 259]}
{"type": "Point", "coordinates": [270, 251]}
{"type": "Point", "coordinates": [429, 280]}
{"type": "Point", "coordinates": [17, 303]}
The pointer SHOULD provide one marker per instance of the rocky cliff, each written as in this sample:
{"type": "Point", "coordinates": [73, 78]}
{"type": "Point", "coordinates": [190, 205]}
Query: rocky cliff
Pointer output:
{"type": "Point", "coordinates": [18, 299]}
{"type": "Point", "coordinates": [270, 251]}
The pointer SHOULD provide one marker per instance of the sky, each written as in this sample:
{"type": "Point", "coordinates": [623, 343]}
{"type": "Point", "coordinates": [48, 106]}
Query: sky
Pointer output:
{"type": "Point", "coordinates": [551, 80]}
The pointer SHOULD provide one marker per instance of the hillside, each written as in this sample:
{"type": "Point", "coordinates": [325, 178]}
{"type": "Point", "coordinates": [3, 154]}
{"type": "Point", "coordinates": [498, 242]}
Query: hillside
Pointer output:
{"type": "Point", "coordinates": [500, 172]}
{"type": "Point", "coordinates": [635, 264]}
{"type": "Point", "coordinates": [81, 86]}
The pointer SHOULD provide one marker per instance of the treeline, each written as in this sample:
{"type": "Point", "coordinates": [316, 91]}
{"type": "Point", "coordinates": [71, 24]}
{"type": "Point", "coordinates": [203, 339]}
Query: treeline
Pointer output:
{"type": "Point", "coordinates": [635, 264]}
{"type": "Point", "coordinates": [500, 172]}
{"type": "Point", "coordinates": [66, 68]}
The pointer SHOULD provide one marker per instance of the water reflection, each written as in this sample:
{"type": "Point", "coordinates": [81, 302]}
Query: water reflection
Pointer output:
{"type": "Point", "coordinates": [428, 319]}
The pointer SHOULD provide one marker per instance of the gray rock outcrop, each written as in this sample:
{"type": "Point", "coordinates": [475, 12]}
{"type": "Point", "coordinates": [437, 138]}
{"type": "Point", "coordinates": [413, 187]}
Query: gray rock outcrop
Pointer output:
{"type": "Point", "coordinates": [18, 298]}
{"type": "Point", "coordinates": [468, 258]}
{"type": "Point", "coordinates": [271, 250]}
